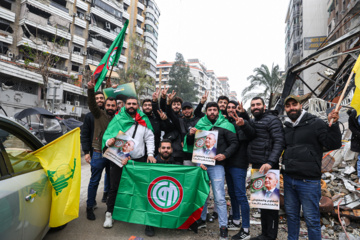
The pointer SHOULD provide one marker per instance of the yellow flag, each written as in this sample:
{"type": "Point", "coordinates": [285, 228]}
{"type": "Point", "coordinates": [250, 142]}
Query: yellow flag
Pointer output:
{"type": "Point", "coordinates": [61, 161]}
{"type": "Point", "coordinates": [355, 102]}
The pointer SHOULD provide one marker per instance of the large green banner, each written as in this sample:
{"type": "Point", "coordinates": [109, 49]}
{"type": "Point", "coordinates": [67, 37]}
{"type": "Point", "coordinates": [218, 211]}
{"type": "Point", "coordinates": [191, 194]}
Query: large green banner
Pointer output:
{"type": "Point", "coordinates": [161, 195]}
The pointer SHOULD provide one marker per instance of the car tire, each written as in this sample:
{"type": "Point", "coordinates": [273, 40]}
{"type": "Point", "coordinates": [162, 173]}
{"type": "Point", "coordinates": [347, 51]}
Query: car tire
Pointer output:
{"type": "Point", "coordinates": [59, 228]}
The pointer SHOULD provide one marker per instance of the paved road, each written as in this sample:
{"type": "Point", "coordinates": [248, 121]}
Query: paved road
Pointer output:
{"type": "Point", "coordinates": [81, 228]}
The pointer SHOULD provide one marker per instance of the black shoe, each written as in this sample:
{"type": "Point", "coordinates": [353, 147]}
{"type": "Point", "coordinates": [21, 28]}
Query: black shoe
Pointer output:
{"type": "Point", "coordinates": [241, 235]}
{"type": "Point", "coordinates": [104, 198]}
{"type": "Point", "coordinates": [149, 231]}
{"type": "Point", "coordinates": [233, 227]}
{"type": "Point", "coordinates": [90, 213]}
{"type": "Point", "coordinates": [215, 215]}
{"type": "Point", "coordinates": [201, 223]}
{"type": "Point", "coordinates": [194, 227]}
{"type": "Point", "coordinates": [223, 233]}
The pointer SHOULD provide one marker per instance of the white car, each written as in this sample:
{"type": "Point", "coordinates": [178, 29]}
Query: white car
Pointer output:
{"type": "Point", "coordinates": [25, 192]}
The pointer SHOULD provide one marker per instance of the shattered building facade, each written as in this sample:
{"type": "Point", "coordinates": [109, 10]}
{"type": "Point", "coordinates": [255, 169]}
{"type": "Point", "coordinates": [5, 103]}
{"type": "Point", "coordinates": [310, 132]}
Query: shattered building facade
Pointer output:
{"type": "Point", "coordinates": [85, 28]}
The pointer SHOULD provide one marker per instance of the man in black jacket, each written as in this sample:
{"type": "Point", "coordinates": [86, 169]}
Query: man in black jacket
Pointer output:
{"type": "Point", "coordinates": [87, 135]}
{"type": "Point", "coordinates": [354, 126]}
{"type": "Point", "coordinates": [226, 147]}
{"type": "Point", "coordinates": [236, 170]}
{"type": "Point", "coordinates": [263, 153]}
{"type": "Point", "coordinates": [306, 137]}
{"type": "Point", "coordinates": [158, 119]}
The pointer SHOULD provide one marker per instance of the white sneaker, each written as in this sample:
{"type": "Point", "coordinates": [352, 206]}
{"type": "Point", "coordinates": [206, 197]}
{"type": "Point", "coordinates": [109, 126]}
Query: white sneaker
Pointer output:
{"type": "Point", "coordinates": [108, 220]}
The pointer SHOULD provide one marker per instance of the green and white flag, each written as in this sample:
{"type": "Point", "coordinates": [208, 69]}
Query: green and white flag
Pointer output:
{"type": "Point", "coordinates": [161, 195]}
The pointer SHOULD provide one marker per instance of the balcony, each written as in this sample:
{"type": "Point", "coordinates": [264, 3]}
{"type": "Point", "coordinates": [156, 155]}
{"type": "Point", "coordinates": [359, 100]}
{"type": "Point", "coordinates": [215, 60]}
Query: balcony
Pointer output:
{"type": "Point", "coordinates": [7, 39]}
{"type": "Point", "coordinates": [126, 15]}
{"type": "Point", "coordinates": [103, 32]}
{"type": "Point", "coordinates": [151, 74]}
{"type": "Point", "coordinates": [58, 6]}
{"type": "Point", "coordinates": [148, 34]}
{"type": "Point", "coordinates": [80, 22]}
{"type": "Point", "coordinates": [94, 61]}
{"type": "Point", "coordinates": [50, 9]}
{"type": "Point", "coordinates": [140, 18]}
{"type": "Point", "coordinates": [139, 30]}
{"type": "Point", "coordinates": [49, 47]}
{"type": "Point", "coordinates": [295, 56]}
{"type": "Point", "coordinates": [98, 45]}
{"type": "Point", "coordinates": [123, 59]}
{"type": "Point", "coordinates": [104, 15]}
{"type": "Point", "coordinates": [7, 14]}
{"type": "Point", "coordinates": [127, 2]}
{"type": "Point", "coordinates": [151, 23]}
{"type": "Point", "coordinates": [141, 5]}
{"type": "Point", "coordinates": [76, 57]}
{"type": "Point", "coordinates": [79, 40]}
{"type": "Point", "coordinates": [42, 24]}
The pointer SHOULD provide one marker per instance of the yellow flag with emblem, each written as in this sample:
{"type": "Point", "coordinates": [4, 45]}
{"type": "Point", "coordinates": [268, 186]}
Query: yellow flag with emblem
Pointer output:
{"type": "Point", "coordinates": [61, 161]}
{"type": "Point", "coordinates": [355, 102]}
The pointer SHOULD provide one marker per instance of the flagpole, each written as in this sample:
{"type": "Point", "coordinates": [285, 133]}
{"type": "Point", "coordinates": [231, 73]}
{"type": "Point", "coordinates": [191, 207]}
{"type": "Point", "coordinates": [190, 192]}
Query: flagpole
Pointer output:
{"type": "Point", "coordinates": [108, 81]}
{"type": "Point", "coordinates": [342, 96]}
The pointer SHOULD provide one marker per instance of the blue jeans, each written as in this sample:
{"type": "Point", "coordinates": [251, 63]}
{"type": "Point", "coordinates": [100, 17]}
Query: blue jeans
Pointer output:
{"type": "Point", "coordinates": [98, 163]}
{"type": "Point", "coordinates": [235, 179]}
{"type": "Point", "coordinates": [217, 177]}
{"type": "Point", "coordinates": [305, 193]}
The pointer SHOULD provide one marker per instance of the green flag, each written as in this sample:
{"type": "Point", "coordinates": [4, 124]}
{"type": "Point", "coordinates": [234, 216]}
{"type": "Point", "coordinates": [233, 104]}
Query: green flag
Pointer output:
{"type": "Point", "coordinates": [123, 122]}
{"type": "Point", "coordinates": [111, 57]}
{"type": "Point", "coordinates": [161, 195]}
{"type": "Point", "coordinates": [205, 124]}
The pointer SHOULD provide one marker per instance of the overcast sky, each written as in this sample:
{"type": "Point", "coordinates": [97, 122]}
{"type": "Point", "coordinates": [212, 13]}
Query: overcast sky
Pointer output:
{"type": "Point", "coordinates": [231, 37]}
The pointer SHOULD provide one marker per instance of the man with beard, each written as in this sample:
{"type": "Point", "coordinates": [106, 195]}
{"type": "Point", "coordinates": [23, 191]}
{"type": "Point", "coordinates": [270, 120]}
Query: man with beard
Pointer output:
{"type": "Point", "coordinates": [306, 137]}
{"type": "Point", "coordinates": [172, 106]}
{"type": "Point", "coordinates": [158, 119]}
{"type": "Point", "coordinates": [223, 102]}
{"type": "Point", "coordinates": [98, 163]}
{"type": "Point", "coordinates": [134, 123]}
{"type": "Point", "coordinates": [227, 145]}
{"type": "Point", "coordinates": [236, 170]}
{"type": "Point", "coordinates": [87, 135]}
{"type": "Point", "coordinates": [264, 153]}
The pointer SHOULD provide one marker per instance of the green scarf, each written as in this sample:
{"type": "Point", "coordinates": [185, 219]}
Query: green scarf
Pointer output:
{"type": "Point", "coordinates": [205, 124]}
{"type": "Point", "coordinates": [123, 122]}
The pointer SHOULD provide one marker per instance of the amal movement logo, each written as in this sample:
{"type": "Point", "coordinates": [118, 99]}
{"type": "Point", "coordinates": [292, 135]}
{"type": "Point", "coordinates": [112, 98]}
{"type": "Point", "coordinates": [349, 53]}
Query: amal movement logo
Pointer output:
{"type": "Point", "coordinates": [165, 194]}
{"type": "Point", "coordinates": [111, 58]}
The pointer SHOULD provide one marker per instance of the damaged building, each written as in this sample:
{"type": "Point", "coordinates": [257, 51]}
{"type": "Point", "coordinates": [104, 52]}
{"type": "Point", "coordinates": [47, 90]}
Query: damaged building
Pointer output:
{"type": "Point", "coordinates": [78, 34]}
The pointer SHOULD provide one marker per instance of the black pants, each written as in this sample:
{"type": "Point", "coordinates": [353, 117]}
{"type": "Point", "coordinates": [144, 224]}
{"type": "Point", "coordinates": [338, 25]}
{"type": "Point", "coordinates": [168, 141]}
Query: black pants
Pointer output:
{"type": "Point", "coordinates": [179, 160]}
{"type": "Point", "coordinates": [115, 176]}
{"type": "Point", "coordinates": [269, 223]}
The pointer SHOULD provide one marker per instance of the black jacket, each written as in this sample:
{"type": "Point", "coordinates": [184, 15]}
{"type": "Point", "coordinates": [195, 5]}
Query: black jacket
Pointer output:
{"type": "Point", "coordinates": [227, 143]}
{"type": "Point", "coordinates": [244, 134]}
{"type": "Point", "coordinates": [269, 142]}
{"type": "Point", "coordinates": [169, 161]}
{"type": "Point", "coordinates": [355, 129]}
{"type": "Point", "coordinates": [87, 133]}
{"type": "Point", "coordinates": [158, 125]}
{"type": "Point", "coordinates": [305, 144]}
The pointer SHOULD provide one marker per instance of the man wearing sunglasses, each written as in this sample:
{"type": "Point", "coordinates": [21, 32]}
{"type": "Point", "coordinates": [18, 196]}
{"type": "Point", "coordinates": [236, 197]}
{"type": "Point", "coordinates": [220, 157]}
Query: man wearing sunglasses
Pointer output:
{"type": "Point", "coordinates": [102, 118]}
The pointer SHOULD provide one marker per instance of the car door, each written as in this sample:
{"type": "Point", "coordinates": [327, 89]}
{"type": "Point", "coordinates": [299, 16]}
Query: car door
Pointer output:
{"type": "Point", "coordinates": [24, 188]}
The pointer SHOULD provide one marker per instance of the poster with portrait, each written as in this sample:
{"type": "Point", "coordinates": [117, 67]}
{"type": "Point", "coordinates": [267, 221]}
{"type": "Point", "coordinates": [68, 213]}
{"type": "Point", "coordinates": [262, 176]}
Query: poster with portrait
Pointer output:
{"type": "Point", "coordinates": [122, 149]}
{"type": "Point", "coordinates": [265, 189]}
{"type": "Point", "coordinates": [205, 146]}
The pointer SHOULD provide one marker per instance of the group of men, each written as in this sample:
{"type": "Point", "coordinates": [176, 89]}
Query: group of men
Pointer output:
{"type": "Point", "coordinates": [241, 140]}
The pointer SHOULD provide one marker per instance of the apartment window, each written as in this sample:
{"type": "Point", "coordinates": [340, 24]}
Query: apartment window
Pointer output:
{"type": "Point", "coordinates": [117, 14]}
{"type": "Point", "coordinates": [77, 49]}
{"type": "Point", "coordinates": [5, 26]}
{"type": "Point", "coordinates": [75, 68]}
{"type": "Point", "coordinates": [5, 4]}
{"type": "Point", "coordinates": [79, 31]}
{"type": "Point", "coordinates": [336, 2]}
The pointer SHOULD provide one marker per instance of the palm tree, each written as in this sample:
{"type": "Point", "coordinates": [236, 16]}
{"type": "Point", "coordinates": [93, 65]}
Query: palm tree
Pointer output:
{"type": "Point", "coordinates": [269, 81]}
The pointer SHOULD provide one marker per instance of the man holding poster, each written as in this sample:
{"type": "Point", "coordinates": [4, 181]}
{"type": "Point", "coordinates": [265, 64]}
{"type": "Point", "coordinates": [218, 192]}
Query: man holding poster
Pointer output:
{"type": "Point", "coordinates": [226, 145]}
{"type": "Point", "coordinates": [264, 153]}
